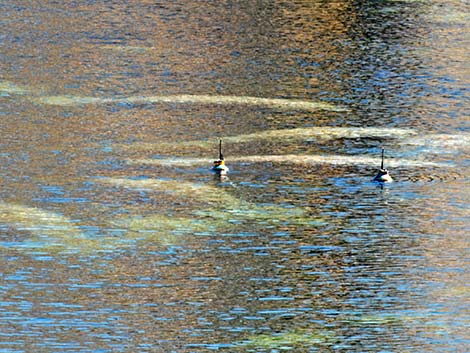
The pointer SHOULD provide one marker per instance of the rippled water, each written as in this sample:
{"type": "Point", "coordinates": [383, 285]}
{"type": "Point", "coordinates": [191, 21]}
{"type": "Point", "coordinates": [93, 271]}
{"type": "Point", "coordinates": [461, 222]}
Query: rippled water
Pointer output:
{"type": "Point", "coordinates": [115, 237]}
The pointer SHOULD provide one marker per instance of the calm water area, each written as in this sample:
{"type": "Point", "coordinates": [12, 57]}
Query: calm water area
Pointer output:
{"type": "Point", "coordinates": [116, 237]}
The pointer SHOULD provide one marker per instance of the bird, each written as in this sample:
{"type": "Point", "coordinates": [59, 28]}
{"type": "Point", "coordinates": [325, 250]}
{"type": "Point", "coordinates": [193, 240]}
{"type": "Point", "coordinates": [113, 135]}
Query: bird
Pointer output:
{"type": "Point", "coordinates": [383, 175]}
{"type": "Point", "coordinates": [219, 166]}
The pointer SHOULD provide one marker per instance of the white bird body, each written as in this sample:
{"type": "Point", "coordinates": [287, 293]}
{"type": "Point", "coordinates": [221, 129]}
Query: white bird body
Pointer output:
{"type": "Point", "coordinates": [383, 176]}
{"type": "Point", "coordinates": [220, 167]}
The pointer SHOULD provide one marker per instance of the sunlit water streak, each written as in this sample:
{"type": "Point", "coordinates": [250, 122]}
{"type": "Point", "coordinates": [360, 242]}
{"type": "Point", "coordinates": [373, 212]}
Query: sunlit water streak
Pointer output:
{"type": "Point", "coordinates": [221, 212]}
{"type": "Point", "coordinates": [199, 191]}
{"type": "Point", "coordinates": [293, 159]}
{"type": "Point", "coordinates": [321, 133]}
{"type": "Point", "coordinates": [440, 143]}
{"type": "Point", "coordinates": [50, 231]}
{"type": "Point", "coordinates": [69, 100]}
{"type": "Point", "coordinates": [275, 103]}
{"type": "Point", "coordinates": [220, 206]}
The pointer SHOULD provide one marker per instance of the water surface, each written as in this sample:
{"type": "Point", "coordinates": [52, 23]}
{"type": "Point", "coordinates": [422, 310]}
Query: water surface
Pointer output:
{"type": "Point", "coordinates": [115, 237]}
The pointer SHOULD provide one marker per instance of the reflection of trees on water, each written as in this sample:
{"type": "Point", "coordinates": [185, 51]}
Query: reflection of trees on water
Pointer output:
{"type": "Point", "coordinates": [365, 57]}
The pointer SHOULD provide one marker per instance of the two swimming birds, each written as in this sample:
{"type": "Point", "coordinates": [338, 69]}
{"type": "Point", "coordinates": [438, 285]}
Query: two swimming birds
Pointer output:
{"type": "Point", "coordinates": [219, 167]}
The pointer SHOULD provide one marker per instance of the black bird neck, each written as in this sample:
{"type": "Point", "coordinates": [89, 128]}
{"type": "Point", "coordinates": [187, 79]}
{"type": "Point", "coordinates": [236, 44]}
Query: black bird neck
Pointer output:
{"type": "Point", "coordinates": [221, 156]}
{"type": "Point", "coordinates": [382, 164]}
